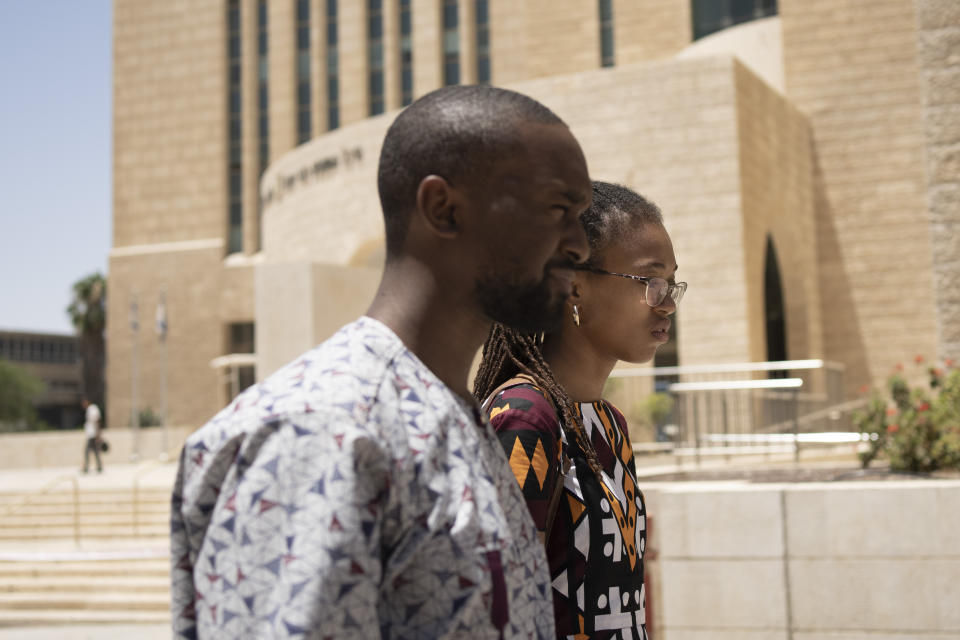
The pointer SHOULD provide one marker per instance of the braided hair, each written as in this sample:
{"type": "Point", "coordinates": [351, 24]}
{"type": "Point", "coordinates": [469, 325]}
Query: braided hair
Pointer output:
{"type": "Point", "coordinates": [614, 211]}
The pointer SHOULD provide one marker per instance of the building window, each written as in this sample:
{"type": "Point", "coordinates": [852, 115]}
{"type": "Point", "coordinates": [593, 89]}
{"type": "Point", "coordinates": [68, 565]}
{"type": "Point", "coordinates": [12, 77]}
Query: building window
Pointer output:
{"type": "Point", "coordinates": [303, 71]}
{"type": "Point", "coordinates": [333, 68]}
{"type": "Point", "coordinates": [240, 340]}
{"type": "Point", "coordinates": [710, 16]}
{"type": "Point", "coordinates": [606, 33]}
{"type": "Point", "coordinates": [263, 84]}
{"type": "Point", "coordinates": [482, 13]}
{"type": "Point", "coordinates": [235, 163]}
{"type": "Point", "coordinates": [451, 43]}
{"type": "Point", "coordinates": [375, 40]}
{"type": "Point", "coordinates": [406, 53]}
{"type": "Point", "coordinates": [263, 98]}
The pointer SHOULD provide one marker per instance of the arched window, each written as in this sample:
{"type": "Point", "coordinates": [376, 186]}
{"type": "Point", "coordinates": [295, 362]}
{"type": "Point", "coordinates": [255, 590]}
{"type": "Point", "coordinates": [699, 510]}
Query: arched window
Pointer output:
{"type": "Point", "coordinates": [773, 310]}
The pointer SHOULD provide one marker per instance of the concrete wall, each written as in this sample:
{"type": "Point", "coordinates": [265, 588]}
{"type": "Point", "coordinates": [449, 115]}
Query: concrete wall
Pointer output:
{"type": "Point", "coordinates": [204, 294]}
{"type": "Point", "coordinates": [757, 44]}
{"type": "Point", "coordinates": [843, 561]}
{"type": "Point", "coordinates": [52, 449]}
{"type": "Point", "coordinates": [300, 304]}
{"type": "Point", "coordinates": [776, 183]}
{"type": "Point", "coordinates": [726, 157]}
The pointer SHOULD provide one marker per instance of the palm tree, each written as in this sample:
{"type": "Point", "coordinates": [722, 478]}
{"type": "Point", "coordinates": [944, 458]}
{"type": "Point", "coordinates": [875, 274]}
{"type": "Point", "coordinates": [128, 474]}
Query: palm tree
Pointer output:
{"type": "Point", "coordinates": [88, 313]}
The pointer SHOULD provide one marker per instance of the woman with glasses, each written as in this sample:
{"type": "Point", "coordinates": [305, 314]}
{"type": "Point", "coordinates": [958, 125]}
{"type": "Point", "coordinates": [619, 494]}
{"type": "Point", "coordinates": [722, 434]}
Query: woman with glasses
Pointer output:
{"type": "Point", "coordinates": [569, 448]}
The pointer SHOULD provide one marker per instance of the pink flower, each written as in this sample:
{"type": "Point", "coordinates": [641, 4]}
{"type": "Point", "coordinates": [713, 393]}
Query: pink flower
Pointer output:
{"type": "Point", "coordinates": [864, 388]}
{"type": "Point", "coordinates": [898, 367]}
{"type": "Point", "coordinates": [891, 412]}
{"type": "Point", "coordinates": [924, 406]}
{"type": "Point", "coordinates": [918, 359]}
{"type": "Point", "coordinates": [893, 428]}
{"type": "Point", "coordinates": [948, 362]}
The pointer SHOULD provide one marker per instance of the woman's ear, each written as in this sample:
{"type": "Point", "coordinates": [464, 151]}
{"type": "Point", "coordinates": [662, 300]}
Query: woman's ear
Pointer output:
{"type": "Point", "coordinates": [437, 206]}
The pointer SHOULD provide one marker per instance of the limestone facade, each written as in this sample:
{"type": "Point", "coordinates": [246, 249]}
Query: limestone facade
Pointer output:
{"type": "Point", "coordinates": [844, 155]}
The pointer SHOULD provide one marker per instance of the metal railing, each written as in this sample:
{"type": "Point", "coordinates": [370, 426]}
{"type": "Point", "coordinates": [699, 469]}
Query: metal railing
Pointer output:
{"type": "Point", "coordinates": [143, 469]}
{"type": "Point", "coordinates": [761, 404]}
{"type": "Point", "coordinates": [45, 489]}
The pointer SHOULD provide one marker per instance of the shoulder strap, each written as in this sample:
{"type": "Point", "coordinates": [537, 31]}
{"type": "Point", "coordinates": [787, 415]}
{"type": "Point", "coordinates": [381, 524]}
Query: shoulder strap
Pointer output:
{"type": "Point", "coordinates": [522, 378]}
{"type": "Point", "coordinates": [515, 381]}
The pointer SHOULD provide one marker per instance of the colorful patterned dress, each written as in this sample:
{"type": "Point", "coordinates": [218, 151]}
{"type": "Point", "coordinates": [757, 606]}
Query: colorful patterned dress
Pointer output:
{"type": "Point", "coordinates": [598, 537]}
{"type": "Point", "coordinates": [353, 495]}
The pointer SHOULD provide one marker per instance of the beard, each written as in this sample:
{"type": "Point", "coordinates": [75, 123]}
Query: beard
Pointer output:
{"type": "Point", "coordinates": [528, 307]}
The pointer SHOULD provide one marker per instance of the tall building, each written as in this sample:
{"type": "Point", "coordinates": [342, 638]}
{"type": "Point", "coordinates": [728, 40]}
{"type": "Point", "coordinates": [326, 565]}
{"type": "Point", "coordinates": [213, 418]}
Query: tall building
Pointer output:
{"type": "Point", "coordinates": [804, 153]}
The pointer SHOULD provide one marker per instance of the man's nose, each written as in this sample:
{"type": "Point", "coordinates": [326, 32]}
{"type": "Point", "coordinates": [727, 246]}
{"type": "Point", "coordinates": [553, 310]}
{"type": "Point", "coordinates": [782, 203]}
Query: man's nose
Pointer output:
{"type": "Point", "coordinates": [575, 245]}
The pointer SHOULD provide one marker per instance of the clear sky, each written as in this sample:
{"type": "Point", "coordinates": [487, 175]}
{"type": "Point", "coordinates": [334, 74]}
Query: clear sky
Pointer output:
{"type": "Point", "coordinates": [55, 155]}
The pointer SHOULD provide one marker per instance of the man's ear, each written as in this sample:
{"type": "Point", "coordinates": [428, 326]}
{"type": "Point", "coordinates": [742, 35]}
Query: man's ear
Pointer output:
{"type": "Point", "coordinates": [438, 206]}
{"type": "Point", "coordinates": [575, 290]}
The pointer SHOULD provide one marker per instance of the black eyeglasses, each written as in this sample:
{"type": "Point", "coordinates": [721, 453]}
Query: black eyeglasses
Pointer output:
{"type": "Point", "coordinates": [657, 288]}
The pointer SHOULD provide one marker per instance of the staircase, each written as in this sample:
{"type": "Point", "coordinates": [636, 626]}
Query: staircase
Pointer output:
{"type": "Point", "coordinates": [119, 572]}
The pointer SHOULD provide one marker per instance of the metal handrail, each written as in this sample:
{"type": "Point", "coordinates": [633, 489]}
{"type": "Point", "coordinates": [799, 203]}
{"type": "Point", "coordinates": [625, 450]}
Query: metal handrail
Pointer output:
{"type": "Point", "coordinates": [147, 467]}
{"type": "Point", "coordinates": [735, 367]}
{"type": "Point", "coordinates": [25, 500]}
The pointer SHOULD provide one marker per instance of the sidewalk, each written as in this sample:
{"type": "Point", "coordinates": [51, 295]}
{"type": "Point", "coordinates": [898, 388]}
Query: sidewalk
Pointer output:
{"type": "Point", "coordinates": [88, 632]}
{"type": "Point", "coordinates": [149, 473]}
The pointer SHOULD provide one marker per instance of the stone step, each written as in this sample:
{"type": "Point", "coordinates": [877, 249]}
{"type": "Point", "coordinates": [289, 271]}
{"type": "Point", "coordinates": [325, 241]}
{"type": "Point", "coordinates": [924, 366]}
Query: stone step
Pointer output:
{"type": "Point", "coordinates": [92, 599]}
{"type": "Point", "coordinates": [130, 583]}
{"type": "Point", "coordinates": [87, 533]}
{"type": "Point", "coordinates": [86, 519]}
{"type": "Point", "coordinates": [107, 570]}
{"type": "Point", "coordinates": [85, 495]}
{"type": "Point", "coordinates": [95, 508]}
{"type": "Point", "coordinates": [51, 616]}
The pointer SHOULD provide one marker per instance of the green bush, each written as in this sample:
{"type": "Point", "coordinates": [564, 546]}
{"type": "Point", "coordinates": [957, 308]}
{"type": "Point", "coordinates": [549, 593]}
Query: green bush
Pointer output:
{"type": "Point", "coordinates": [654, 409]}
{"type": "Point", "coordinates": [917, 428]}
{"type": "Point", "coordinates": [149, 419]}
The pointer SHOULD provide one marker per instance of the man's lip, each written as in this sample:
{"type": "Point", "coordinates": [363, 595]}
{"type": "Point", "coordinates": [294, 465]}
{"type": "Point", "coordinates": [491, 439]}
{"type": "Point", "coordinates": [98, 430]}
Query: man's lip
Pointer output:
{"type": "Point", "coordinates": [562, 273]}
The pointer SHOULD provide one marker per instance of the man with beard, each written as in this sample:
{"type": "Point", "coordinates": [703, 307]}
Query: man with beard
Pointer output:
{"type": "Point", "coordinates": [359, 492]}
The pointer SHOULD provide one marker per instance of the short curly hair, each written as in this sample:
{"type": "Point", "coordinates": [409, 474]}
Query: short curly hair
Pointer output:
{"type": "Point", "coordinates": [615, 211]}
{"type": "Point", "coordinates": [455, 132]}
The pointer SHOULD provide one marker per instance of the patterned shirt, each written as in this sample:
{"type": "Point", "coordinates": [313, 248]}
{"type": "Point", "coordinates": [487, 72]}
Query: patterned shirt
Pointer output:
{"type": "Point", "coordinates": [353, 495]}
{"type": "Point", "coordinates": [598, 536]}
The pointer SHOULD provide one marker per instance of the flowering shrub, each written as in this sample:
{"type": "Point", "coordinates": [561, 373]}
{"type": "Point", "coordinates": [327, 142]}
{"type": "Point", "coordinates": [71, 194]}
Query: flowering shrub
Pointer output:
{"type": "Point", "coordinates": [916, 429]}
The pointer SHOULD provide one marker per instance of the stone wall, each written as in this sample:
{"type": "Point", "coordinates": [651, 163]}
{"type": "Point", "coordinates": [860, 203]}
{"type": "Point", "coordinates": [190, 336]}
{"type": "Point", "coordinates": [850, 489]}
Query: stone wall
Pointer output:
{"type": "Point", "coordinates": [938, 38]}
{"type": "Point", "coordinates": [841, 561]}
{"type": "Point", "coordinates": [851, 66]}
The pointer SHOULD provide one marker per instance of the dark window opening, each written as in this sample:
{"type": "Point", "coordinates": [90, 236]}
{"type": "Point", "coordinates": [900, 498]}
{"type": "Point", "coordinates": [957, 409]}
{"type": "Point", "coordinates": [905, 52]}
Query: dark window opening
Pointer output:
{"type": "Point", "coordinates": [482, 14]}
{"type": "Point", "coordinates": [451, 43]}
{"type": "Point", "coordinates": [234, 132]}
{"type": "Point", "coordinates": [333, 68]}
{"type": "Point", "coordinates": [375, 55]}
{"type": "Point", "coordinates": [406, 54]}
{"type": "Point", "coordinates": [710, 16]}
{"type": "Point", "coordinates": [303, 71]}
{"type": "Point", "coordinates": [606, 33]}
{"type": "Point", "coordinates": [774, 314]}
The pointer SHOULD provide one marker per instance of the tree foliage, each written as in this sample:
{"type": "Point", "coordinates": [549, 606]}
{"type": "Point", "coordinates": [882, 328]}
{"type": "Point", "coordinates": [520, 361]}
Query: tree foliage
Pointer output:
{"type": "Point", "coordinates": [88, 314]}
{"type": "Point", "coordinates": [18, 390]}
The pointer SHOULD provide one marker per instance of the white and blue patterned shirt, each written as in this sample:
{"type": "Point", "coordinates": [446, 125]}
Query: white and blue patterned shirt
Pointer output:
{"type": "Point", "coordinates": [353, 495]}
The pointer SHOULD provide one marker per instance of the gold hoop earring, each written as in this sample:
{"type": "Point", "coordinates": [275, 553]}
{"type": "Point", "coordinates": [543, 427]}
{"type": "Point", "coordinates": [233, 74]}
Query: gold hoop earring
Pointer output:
{"type": "Point", "coordinates": [576, 315]}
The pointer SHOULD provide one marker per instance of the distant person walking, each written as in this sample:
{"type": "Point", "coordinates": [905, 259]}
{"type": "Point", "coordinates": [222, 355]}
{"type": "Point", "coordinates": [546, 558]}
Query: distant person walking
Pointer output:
{"type": "Point", "coordinates": [91, 429]}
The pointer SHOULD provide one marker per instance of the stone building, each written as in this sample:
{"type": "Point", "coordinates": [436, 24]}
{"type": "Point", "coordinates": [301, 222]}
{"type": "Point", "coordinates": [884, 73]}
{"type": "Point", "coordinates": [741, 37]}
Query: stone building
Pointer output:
{"type": "Point", "coordinates": [804, 152]}
{"type": "Point", "coordinates": [54, 359]}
